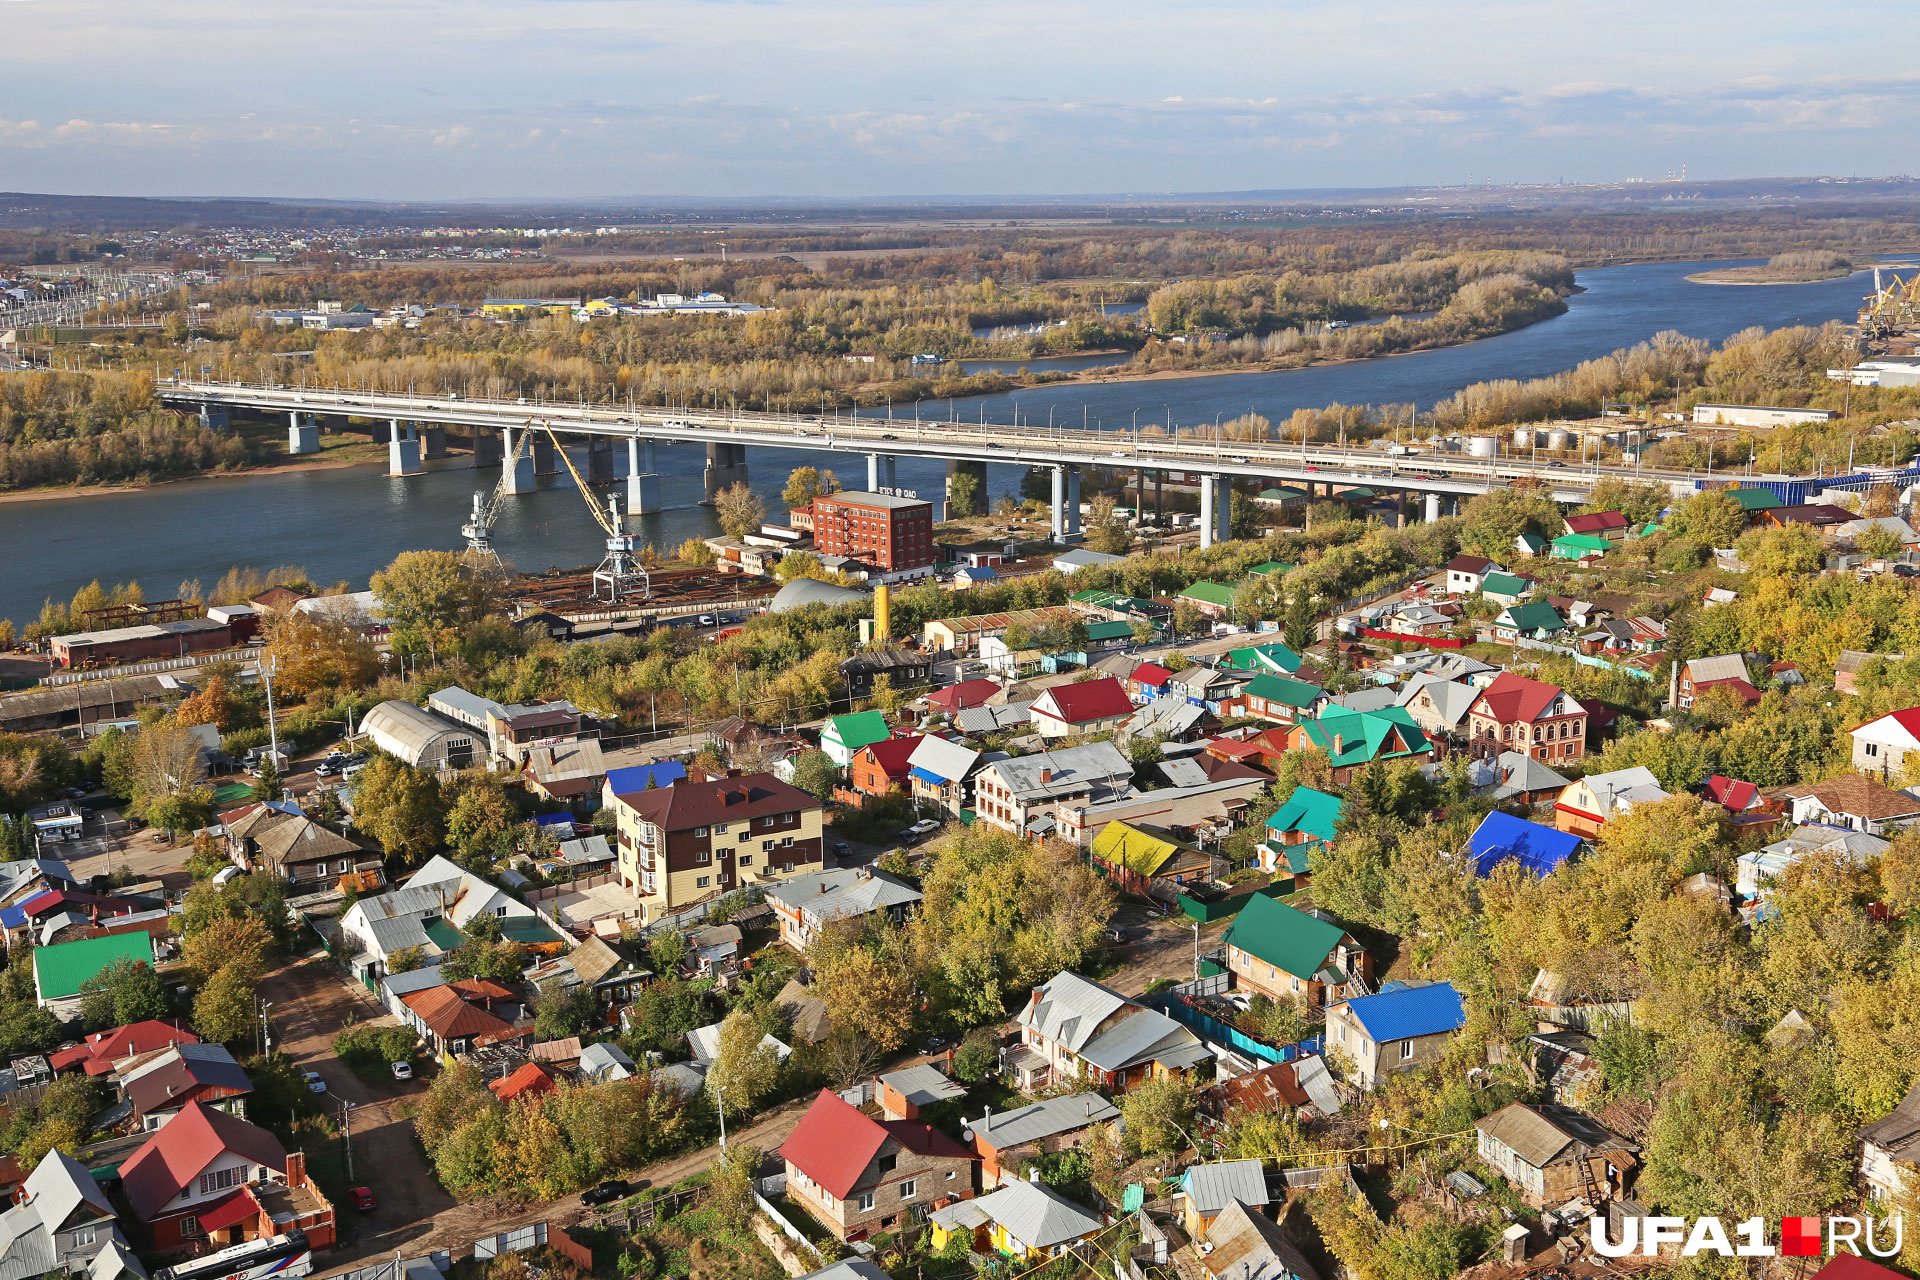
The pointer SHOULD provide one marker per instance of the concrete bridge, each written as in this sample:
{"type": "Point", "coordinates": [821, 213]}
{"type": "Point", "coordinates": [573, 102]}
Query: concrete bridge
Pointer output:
{"type": "Point", "coordinates": [965, 447]}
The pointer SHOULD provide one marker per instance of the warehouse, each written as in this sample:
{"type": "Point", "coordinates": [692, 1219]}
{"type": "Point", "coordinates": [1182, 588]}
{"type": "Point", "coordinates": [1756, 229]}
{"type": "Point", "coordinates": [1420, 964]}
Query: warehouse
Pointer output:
{"type": "Point", "coordinates": [136, 644]}
{"type": "Point", "coordinates": [419, 737]}
{"type": "Point", "coordinates": [1757, 415]}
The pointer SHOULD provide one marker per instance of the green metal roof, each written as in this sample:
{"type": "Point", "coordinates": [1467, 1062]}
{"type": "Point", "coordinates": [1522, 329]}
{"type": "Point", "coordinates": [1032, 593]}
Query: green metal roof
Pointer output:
{"type": "Point", "coordinates": [529, 931]}
{"type": "Point", "coordinates": [1580, 543]}
{"type": "Point", "coordinates": [1754, 499]}
{"type": "Point", "coordinates": [1282, 936]}
{"type": "Point", "coordinates": [1261, 657]}
{"type": "Point", "coordinates": [1309, 812]}
{"type": "Point", "coordinates": [1504, 584]}
{"type": "Point", "coordinates": [1365, 736]}
{"type": "Point", "coordinates": [64, 968]}
{"type": "Point", "coordinates": [1290, 693]}
{"type": "Point", "coordinates": [1271, 566]}
{"type": "Point", "coordinates": [861, 729]}
{"type": "Point", "coordinates": [445, 936]}
{"type": "Point", "coordinates": [1531, 540]}
{"type": "Point", "coordinates": [1111, 629]}
{"type": "Point", "coordinates": [1537, 616]}
{"type": "Point", "coordinates": [1215, 593]}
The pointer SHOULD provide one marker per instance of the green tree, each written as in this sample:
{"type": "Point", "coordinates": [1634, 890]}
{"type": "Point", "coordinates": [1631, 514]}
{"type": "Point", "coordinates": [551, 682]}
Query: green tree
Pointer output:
{"type": "Point", "coordinates": [815, 773]}
{"type": "Point", "coordinates": [1301, 627]}
{"type": "Point", "coordinates": [223, 1009]}
{"type": "Point", "coordinates": [267, 785]}
{"type": "Point", "coordinates": [481, 821]}
{"type": "Point", "coordinates": [1491, 521]}
{"type": "Point", "coordinates": [1158, 1115]}
{"type": "Point", "coordinates": [428, 596]}
{"type": "Point", "coordinates": [747, 1068]}
{"type": "Point", "coordinates": [963, 495]}
{"type": "Point", "coordinates": [400, 806]}
{"type": "Point", "coordinates": [1243, 518]}
{"type": "Point", "coordinates": [559, 1012]}
{"type": "Point", "coordinates": [1710, 517]}
{"type": "Point", "coordinates": [125, 991]}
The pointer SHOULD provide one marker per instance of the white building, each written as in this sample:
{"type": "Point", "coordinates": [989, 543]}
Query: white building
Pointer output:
{"type": "Point", "coordinates": [420, 738]}
{"type": "Point", "coordinates": [1757, 415]}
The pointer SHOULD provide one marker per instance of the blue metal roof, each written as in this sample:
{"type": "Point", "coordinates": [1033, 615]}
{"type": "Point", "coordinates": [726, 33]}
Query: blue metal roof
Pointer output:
{"type": "Point", "coordinates": [1501, 836]}
{"type": "Point", "coordinates": [926, 775]}
{"type": "Point", "coordinates": [12, 917]}
{"type": "Point", "coordinates": [634, 777]}
{"type": "Point", "coordinates": [1409, 1012]}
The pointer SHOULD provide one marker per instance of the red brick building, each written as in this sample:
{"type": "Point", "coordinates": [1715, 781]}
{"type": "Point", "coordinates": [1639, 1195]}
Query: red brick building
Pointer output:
{"type": "Point", "coordinates": [208, 1176]}
{"type": "Point", "coordinates": [857, 1175]}
{"type": "Point", "coordinates": [1517, 714]}
{"type": "Point", "coordinates": [890, 533]}
{"type": "Point", "coordinates": [881, 767]}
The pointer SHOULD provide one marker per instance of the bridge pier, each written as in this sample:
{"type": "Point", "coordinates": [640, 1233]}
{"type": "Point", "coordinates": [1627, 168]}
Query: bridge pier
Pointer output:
{"type": "Point", "coordinates": [403, 449]}
{"type": "Point", "coordinates": [1433, 507]}
{"type": "Point", "coordinates": [882, 469]}
{"type": "Point", "coordinates": [599, 460]}
{"type": "Point", "coordinates": [1066, 503]}
{"type": "Point", "coordinates": [435, 440]}
{"type": "Point", "coordinates": [213, 417]}
{"type": "Point", "coordinates": [1216, 510]}
{"type": "Point", "coordinates": [726, 467]}
{"type": "Point", "coordinates": [546, 459]}
{"type": "Point", "coordinates": [978, 470]}
{"type": "Point", "coordinates": [519, 477]}
{"type": "Point", "coordinates": [486, 447]}
{"type": "Point", "coordinates": [643, 482]}
{"type": "Point", "coordinates": [303, 436]}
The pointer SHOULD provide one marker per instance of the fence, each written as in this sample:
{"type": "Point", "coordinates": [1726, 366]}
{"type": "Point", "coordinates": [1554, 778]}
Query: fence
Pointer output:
{"type": "Point", "coordinates": [787, 1229]}
{"type": "Point", "coordinates": [150, 667]}
{"type": "Point", "coordinates": [1226, 1033]}
{"type": "Point", "coordinates": [1209, 985]}
{"type": "Point", "coordinates": [1206, 911]}
{"type": "Point", "coordinates": [1584, 659]}
{"type": "Point", "coordinates": [1410, 637]}
{"type": "Point", "coordinates": [566, 1246]}
{"type": "Point", "coordinates": [518, 1240]}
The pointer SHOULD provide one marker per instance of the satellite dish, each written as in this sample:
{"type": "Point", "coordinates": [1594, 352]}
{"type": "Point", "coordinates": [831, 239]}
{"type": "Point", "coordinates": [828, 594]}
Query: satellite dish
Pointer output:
{"type": "Point", "coordinates": [966, 1135]}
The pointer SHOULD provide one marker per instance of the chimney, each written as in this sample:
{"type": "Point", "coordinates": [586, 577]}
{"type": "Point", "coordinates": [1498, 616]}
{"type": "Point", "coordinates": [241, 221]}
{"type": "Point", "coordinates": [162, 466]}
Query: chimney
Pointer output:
{"type": "Point", "coordinates": [1339, 743]}
{"type": "Point", "coordinates": [1033, 1175]}
{"type": "Point", "coordinates": [1046, 775]}
{"type": "Point", "coordinates": [296, 1168]}
{"type": "Point", "coordinates": [1036, 996]}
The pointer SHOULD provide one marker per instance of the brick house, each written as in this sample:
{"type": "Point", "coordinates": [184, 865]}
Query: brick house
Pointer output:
{"type": "Point", "coordinates": [209, 1176]}
{"type": "Point", "coordinates": [881, 768]}
{"type": "Point", "coordinates": [1278, 951]}
{"type": "Point", "coordinates": [858, 1175]}
{"type": "Point", "coordinates": [695, 840]}
{"type": "Point", "coordinates": [1517, 714]}
{"type": "Point", "coordinates": [1695, 676]}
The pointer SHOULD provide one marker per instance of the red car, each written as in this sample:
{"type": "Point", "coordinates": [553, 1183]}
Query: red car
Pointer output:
{"type": "Point", "coordinates": [363, 1198]}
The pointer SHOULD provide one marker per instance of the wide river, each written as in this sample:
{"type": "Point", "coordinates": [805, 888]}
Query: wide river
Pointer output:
{"type": "Point", "coordinates": [348, 522]}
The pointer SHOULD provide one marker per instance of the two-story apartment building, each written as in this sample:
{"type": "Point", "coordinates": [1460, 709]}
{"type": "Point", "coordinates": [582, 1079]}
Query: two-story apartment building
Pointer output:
{"type": "Point", "coordinates": [1517, 714]}
{"type": "Point", "coordinates": [699, 838]}
{"type": "Point", "coordinates": [858, 1176]}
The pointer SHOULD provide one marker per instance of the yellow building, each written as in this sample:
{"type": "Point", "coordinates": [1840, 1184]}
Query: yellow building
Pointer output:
{"type": "Point", "coordinates": [688, 843]}
{"type": "Point", "coordinates": [1027, 1221]}
{"type": "Point", "coordinates": [520, 308]}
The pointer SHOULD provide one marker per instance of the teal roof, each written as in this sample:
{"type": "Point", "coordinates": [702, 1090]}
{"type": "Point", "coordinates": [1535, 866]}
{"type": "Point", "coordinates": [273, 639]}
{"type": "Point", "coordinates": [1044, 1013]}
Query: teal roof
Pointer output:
{"type": "Point", "coordinates": [1504, 584]}
{"type": "Point", "coordinates": [1214, 593]}
{"type": "Point", "coordinates": [1575, 545]}
{"type": "Point", "coordinates": [1290, 693]}
{"type": "Point", "coordinates": [1309, 812]}
{"type": "Point", "coordinates": [1532, 541]}
{"type": "Point", "coordinates": [1754, 499]}
{"type": "Point", "coordinates": [861, 729]}
{"type": "Point", "coordinates": [1111, 629]}
{"type": "Point", "coordinates": [444, 933]}
{"type": "Point", "coordinates": [1284, 937]}
{"type": "Point", "coordinates": [1262, 657]}
{"type": "Point", "coordinates": [1537, 616]}
{"type": "Point", "coordinates": [1365, 736]}
{"type": "Point", "coordinates": [1271, 566]}
{"type": "Point", "coordinates": [63, 969]}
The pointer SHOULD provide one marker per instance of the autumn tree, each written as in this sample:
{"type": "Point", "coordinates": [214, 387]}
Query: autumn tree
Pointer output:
{"type": "Point", "coordinates": [1710, 517]}
{"type": "Point", "coordinates": [1158, 1114]}
{"type": "Point", "coordinates": [400, 806]}
{"type": "Point", "coordinates": [240, 942]}
{"type": "Point", "coordinates": [311, 653]}
{"type": "Point", "coordinates": [747, 1068]}
{"type": "Point", "coordinates": [223, 1008]}
{"type": "Point", "coordinates": [428, 596]}
{"type": "Point", "coordinates": [481, 820]}
{"type": "Point", "coordinates": [739, 510]}
{"type": "Point", "coordinates": [1490, 522]}
{"type": "Point", "coordinates": [861, 975]}
{"type": "Point", "coordinates": [1105, 532]}
{"type": "Point", "coordinates": [804, 484]}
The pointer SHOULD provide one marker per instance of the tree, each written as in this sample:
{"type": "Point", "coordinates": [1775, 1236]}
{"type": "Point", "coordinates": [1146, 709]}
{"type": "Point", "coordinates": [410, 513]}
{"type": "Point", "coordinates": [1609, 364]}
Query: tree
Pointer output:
{"type": "Point", "coordinates": [847, 1056]}
{"type": "Point", "coordinates": [400, 806]}
{"type": "Point", "coordinates": [186, 811]}
{"type": "Point", "coordinates": [863, 990]}
{"type": "Point", "coordinates": [484, 953]}
{"type": "Point", "coordinates": [976, 1059]}
{"type": "Point", "coordinates": [312, 652]}
{"type": "Point", "coordinates": [1302, 624]}
{"type": "Point", "coordinates": [883, 697]}
{"type": "Point", "coordinates": [801, 564]}
{"type": "Point", "coordinates": [732, 1182]}
{"type": "Point", "coordinates": [239, 942]}
{"type": "Point", "coordinates": [1105, 533]}
{"type": "Point", "coordinates": [166, 762]}
{"type": "Point", "coordinates": [1187, 618]}
{"type": "Point", "coordinates": [405, 960]}
{"type": "Point", "coordinates": [804, 484]}
{"type": "Point", "coordinates": [668, 950]}
{"type": "Point", "coordinates": [963, 494]}
{"type": "Point", "coordinates": [223, 1009]}
{"type": "Point", "coordinates": [1158, 1113]}
{"type": "Point", "coordinates": [481, 822]}
{"type": "Point", "coordinates": [747, 1068]}
{"type": "Point", "coordinates": [740, 510]}
{"type": "Point", "coordinates": [559, 1012]}
{"type": "Point", "coordinates": [267, 785]}
{"type": "Point", "coordinates": [1243, 516]}
{"type": "Point", "coordinates": [1711, 517]}
{"type": "Point", "coordinates": [214, 704]}
{"type": "Point", "coordinates": [1491, 521]}
{"type": "Point", "coordinates": [815, 773]}
{"type": "Point", "coordinates": [125, 991]}
{"type": "Point", "coordinates": [427, 596]}
{"type": "Point", "coordinates": [1880, 543]}
{"type": "Point", "coordinates": [1788, 551]}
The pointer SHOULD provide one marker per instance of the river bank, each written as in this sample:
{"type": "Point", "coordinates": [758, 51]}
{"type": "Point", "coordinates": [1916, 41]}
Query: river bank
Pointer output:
{"type": "Point", "coordinates": [279, 467]}
{"type": "Point", "coordinates": [1762, 276]}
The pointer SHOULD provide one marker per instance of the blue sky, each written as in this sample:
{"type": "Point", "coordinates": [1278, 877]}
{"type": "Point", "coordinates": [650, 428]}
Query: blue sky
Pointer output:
{"type": "Point", "coordinates": [397, 99]}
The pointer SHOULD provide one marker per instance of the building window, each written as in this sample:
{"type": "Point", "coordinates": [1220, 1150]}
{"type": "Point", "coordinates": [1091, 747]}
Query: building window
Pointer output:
{"type": "Point", "coordinates": [701, 857]}
{"type": "Point", "coordinates": [884, 1165]}
{"type": "Point", "coordinates": [190, 1228]}
{"type": "Point", "coordinates": [1873, 748]}
{"type": "Point", "coordinates": [786, 842]}
{"type": "Point", "coordinates": [699, 832]}
{"type": "Point", "coordinates": [719, 828]}
{"type": "Point", "coordinates": [221, 1179]}
{"type": "Point", "coordinates": [746, 859]}
{"type": "Point", "coordinates": [703, 882]}
{"type": "Point", "coordinates": [1406, 1050]}
{"type": "Point", "coordinates": [863, 1203]}
{"type": "Point", "coordinates": [909, 1189]}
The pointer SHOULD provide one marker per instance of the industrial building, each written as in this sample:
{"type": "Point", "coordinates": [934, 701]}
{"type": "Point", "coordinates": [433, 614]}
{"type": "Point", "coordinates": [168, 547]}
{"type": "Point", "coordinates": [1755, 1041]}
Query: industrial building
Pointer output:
{"type": "Point", "coordinates": [1757, 415]}
{"type": "Point", "coordinates": [137, 644]}
{"type": "Point", "coordinates": [421, 738]}
{"type": "Point", "coordinates": [891, 533]}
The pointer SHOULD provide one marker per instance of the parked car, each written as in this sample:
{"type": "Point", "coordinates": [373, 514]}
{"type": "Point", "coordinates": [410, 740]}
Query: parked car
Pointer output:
{"type": "Point", "coordinates": [403, 1071]}
{"type": "Point", "coordinates": [606, 1193]}
{"type": "Point", "coordinates": [314, 1083]}
{"type": "Point", "coordinates": [1116, 935]}
{"type": "Point", "coordinates": [932, 1045]}
{"type": "Point", "coordinates": [919, 831]}
{"type": "Point", "coordinates": [708, 620]}
{"type": "Point", "coordinates": [363, 1199]}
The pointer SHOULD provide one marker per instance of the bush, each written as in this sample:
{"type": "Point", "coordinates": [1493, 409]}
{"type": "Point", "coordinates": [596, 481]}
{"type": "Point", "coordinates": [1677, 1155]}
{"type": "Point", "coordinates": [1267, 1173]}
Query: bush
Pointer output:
{"type": "Point", "coordinates": [367, 1050]}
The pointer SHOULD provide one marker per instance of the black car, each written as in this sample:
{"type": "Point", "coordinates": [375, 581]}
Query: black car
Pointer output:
{"type": "Point", "coordinates": [606, 1193]}
{"type": "Point", "coordinates": [932, 1045]}
{"type": "Point", "coordinates": [888, 435]}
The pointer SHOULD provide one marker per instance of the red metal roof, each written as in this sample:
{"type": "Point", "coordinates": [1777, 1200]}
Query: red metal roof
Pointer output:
{"type": "Point", "coordinates": [1094, 700]}
{"type": "Point", "coordinates": [1731, 793]}
{"type": "Point", "coordinates": [234, 1207]}
{"type": "Point", "coordinates": [530, 1081]}
{"type": "Point", "coordinates": [99, 1051]}
{"type": "Point", "coordinates": [834, 1143]}
{"type": "Point", "coordinates": [1748, 694]}
{"type": "Point", "coordinates": [892, 754]}
{"type": "Point", "coordinates": [1513, 699]}
{"type": "Point", "coordinates": [1597, 523]}
{"type": "Point", "coordinates": [169, 1161]}
{"type": "Point", "coordinates": [451, 1017]}
{"type": "Point", "coordinates": [923, 1139]}
{"type": "Point", "coordinates": [1151, 674]}
{"type": "Point", "coordinates": [968, 693]}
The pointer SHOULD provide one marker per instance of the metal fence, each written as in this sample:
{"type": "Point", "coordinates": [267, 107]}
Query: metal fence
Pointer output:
{"type": "Point", "coordinates": [787, 1229]}
{"type": "Point", "coordinates": [1584, 659]}
{"type": "Point", "coordinates": [518, 1240]}
{"type": "Point", "coordinates": [151, 667]}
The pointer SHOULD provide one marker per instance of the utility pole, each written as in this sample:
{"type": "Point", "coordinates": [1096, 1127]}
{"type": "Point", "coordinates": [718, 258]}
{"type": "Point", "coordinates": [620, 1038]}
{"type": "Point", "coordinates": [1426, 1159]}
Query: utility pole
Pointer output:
{"type": "Point", "coordinates": [346, 1133]}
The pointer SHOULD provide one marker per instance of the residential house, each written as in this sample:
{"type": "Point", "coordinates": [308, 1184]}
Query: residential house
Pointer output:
{"type": "Point", "coordinates": [1354, 739]}
{"type": "Point", "coordinates": [1756, 872]}
{"type": "Point", "coordinates": [456, 1018]}
{"type": "Point", "coordinates": [940, 772]}
{"type": "Point", "coordinates": [1506, 588]}
{"type": "Point", "coordinates": [528, 1081]}
{"type": "Point", "coordinates": [1091, 706]}
{"type": "Point", "coordinates": [1821, 516]}
{"type": "Point", "coordinates": [842, 737]}
{"type": "Point", "coordinates": [1027, 1221]}
{"type": "Point", "coordinates": [1890, 1150]}
{"type": "Point", "coordinates": [1016, 794]}
{"type": "Point", "coordinates": [241, 826]}
{"type": "Point", "coordinates": [1880, 746]}
{"type": "Point", "coordinates": [563, 772]}
{"type": "Point", "coordinates": [1578, 546]}
{"type": "Point", "coordinates": [1208, 810]}
{"type": "Point", "coordinates": [1278, 951]}
{"type": "Point", "coordinates": [1139, 862]}
{"type": "Point", "coordinates": [1303, 1087]}
{"type": "Point", "coordinates": [976, 721]}
{"type": "Point", "coordinates": [956, 698]}
{"type": "Point", "coordinates": [712, 950]}
{"type": "Point", "coordinates": [1529, 544]}
{"type": "Point", "coordinates": [1004, 1140]}
{"type": "Point", "coordinates": [208, 1176]}
{"type": "Point", "coordinates": [1466, 573]}
{"type": "Point", "coordinates": [695, 840]}
{"type": "Point", "coordinates": [1589, 803]}
{"type": "Point", "coordinates": [1147, 681]}
{"type": "Point", "coordinates": [1518, 776]}
{"type": "Point", "coordinates": [62, 971]}
{"type": "Point", "coordinates": [648, 777]}
{"type": "Point", "coordinates": [704, 1044]}
{"type": "Point", "coordinates": [1212, 688]}
{"type": "Point", "coordinates": [880, 768]}
{"type": "Point", "coordinates": [1201, 768]}
{"type": "Point", "coordinates": [1501, 837]}
{"type": "Point", "coordinates": [1245, 1244]}
{"type": "Point", "coordinates": [1212, 599]}
{"type": "Point", "coordinates": [158, 1085]}
{"type": "Point", "coordinates": [102, 1052]}
{"type": "Point", "coordinates": [902, 668]}
{"type": "Point", "coordinates": [1536, 620]}
{"type": "Point", "coordinates": [1404, 1027]}
{"type": "Point", "coordinates": [606, 1061]}
{"type": "Point", "coordinates": [804, 905]}
{"type": "Point", "coordinates": [1846, 672]}
{"type": "Point", "coordinates": [1206, 1190]}
{"type": "Point", "coordinates": [903, 1094]}
{"type": "Point", "coordinates": [1438, 705]}
{"type": "Point", "coordinates": [1278, 699]}
{"type": "Point", "coordinates": [1070, 562]}
{"type": "Point", "coordinates": [1309, 820]}
{"type": "Point", "coordinates": [1554, 1154]}
{"type": "Point", "coordinates": [1741, 800]}
{"type": "Point", "coordinates": [1073, 1028]}
{"type": "Point", "coordinates": [858, 1176]}
{"type": "Point", "coordinates": [1695, 676]}
{"type": "Point", "coordinates": [1609, 526]}
{"type": "Point", "coordinates": [1517, 714]}
{"type": "Point", "coordinates": [1168, 718]}
{"type": "Point", "coordinates": [309, 856]}
{"type": "Point", "coordinates": [1852, 802]}
{"type": "Point", "coordinates": [428, 912]}
{"type": "Point", "coordinates": [597, 965]}
{"type": "Point", "coordinates": [60, 1223]}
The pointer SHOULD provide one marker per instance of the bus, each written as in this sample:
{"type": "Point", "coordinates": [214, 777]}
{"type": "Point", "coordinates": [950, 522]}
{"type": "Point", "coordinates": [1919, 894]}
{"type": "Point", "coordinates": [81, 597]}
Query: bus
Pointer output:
{"type": "Point", "coordinates": [287, 1255]}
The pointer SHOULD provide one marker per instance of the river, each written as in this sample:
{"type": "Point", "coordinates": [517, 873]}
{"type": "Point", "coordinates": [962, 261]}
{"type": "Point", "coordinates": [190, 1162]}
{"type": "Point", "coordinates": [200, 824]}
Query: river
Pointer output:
{"type": "Point", "coordinates": [344, 524]}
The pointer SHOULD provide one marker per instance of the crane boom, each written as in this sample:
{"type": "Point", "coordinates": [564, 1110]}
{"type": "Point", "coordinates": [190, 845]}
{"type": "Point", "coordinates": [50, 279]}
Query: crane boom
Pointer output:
{"type": "Point", "coordinates": [478, 530]}
{"type": "Point", "coordinates": [620, 572]}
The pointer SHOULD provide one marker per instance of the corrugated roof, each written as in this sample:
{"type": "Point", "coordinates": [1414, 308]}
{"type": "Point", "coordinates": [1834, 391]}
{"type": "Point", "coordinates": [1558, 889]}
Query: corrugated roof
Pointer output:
{"type": "Point", "coordinates": [1069, 1009]}
{"type": "Point", "coordinates": [1036, 1215]}
{"type": "Point", "coordinates": [1085, 702]}
{"type": "Point", "coordinates": [1309, 812]}
{"type": "Point", "coordinates": [63, 969]}
{"type": "Point", "coordinates": [1138, 852]}
{"type": "Point", "coordinates": [1406, 1012]}
{"type": "Point", "coordinates": [923, 1085]}
{"type": "Point", "coordinates": [1501, 836]}
{"type": "Point", "coordinates": [1249, 1246]}
{"type": "Point", "coordinates": [172, 1158]}
{"type": "Point", "coordinates": [834, 1143]}
{"type": "Point", "coordinates": [1044, 1119]}
{"type": "Point", "coordinates": [1286, 938]}
{"type": "Point", "coordinates": [1212, 1187]}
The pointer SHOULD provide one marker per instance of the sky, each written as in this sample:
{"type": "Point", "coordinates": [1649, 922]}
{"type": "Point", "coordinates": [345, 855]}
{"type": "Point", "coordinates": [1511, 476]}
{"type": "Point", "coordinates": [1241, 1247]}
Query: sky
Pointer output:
{"type": "Point", "coordinates": [574, 99]}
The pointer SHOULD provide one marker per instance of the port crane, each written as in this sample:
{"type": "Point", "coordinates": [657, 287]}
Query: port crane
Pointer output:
{"type": "Point", "coordinates": [620, 572]}
{"type": "Point", "coordinates": [1893, 306]}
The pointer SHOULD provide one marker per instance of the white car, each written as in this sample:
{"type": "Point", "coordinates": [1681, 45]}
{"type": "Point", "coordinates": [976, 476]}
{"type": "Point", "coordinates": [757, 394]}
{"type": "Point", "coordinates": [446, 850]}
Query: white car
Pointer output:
{"type": "Point", "coordinates": [402, 1071]}
{"type": "Point", "coordinates": [314, 1083]}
